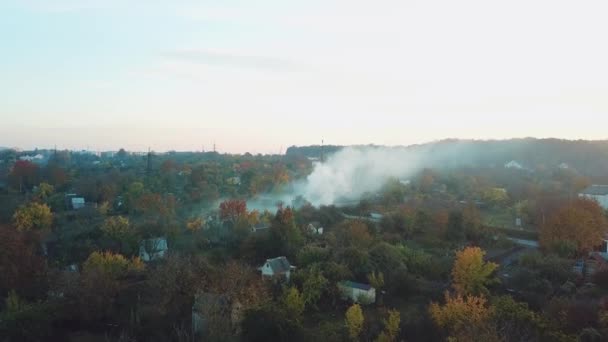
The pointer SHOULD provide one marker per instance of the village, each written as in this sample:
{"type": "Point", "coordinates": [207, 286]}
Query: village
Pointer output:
{"type": "Point", "coordinates": [197, 246]}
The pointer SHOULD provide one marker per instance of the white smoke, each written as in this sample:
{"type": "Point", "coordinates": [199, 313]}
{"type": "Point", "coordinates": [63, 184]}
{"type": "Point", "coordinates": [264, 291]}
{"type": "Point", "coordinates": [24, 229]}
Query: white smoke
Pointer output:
{"type": "Point", "coordinates": [352, 172]}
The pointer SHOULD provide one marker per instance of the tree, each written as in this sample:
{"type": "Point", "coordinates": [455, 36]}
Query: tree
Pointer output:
{"type": "Point", "coordinates": [45, 190]}
{"type": "Point", "coordinates": [111, 264]}
{"type": "Point", "coordinates": [376, 280]}
{"type": "Point", "coordinates": [461, 315]}
{"type": "Point", "coordinates": [471, 275]}
{"type": "Point", "coordinates": [455, 231]}
{"type": "Point", "coordinates": [582, 222]}
{"type": "Point", "coordinates": [354, 321]}
{"type": "Point", "coordinates": [391, 327]}
{"type": "Point", "coordinates": [117, 227]}
{"type": "Point", "coordinates": [314, 286]}
{"type": "Point", "coordinates": [294, 303]}
{"type": "Point", "coordinates": [24, 175]}
{"type": "Point", "coordinates": [33, 216]}
{"type": "Point", "coordinates": [233, 210]}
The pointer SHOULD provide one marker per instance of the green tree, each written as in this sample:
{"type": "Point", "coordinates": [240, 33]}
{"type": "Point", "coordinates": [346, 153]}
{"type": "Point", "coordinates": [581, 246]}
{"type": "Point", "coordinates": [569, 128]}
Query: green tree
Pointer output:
{"type": "Point", "coordinates": [354, 321]}
{"type": "Point", "coordinates": [391, 327]}
{"type": "Point", "coordinates": [294, 303]}
{"type": "Point", "coordinates": [471, 275]}
{"type": "Point", "coordinates": [33, 216]}
{"type": "Point", "coordinates": [314, 286]}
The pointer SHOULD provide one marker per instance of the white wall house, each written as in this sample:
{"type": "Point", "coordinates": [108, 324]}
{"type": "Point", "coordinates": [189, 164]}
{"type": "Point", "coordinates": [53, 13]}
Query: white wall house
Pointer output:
{"type": "Point", "coordinates": [315, 228]}
{"type": "Point", "coordinates": [358, 292]}
{"type": "Point", "coordinates": [277, 267]}
{"type": "Point", "coordinates": [598, 193]}
{"type": "Point", "coordinates": [77, 203]}
{"type": "Point", "coordinates": [153, 249]}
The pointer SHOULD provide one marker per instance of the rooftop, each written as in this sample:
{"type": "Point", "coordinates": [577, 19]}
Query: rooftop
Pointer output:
{"type": "Point", "coordinates": [355, 285]}
{"type": "Point", "coordinates": [279, 265]}
{"type": "Point", "coordinates": [597, 190]}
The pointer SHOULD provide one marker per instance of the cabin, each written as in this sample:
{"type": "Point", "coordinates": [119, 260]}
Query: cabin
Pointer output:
{"type": "Point", "coordinates": [315, 228]}
{"type": "Point", "coordinates": [598, 193]}
{"type": "Point", "coordinates": [514, 165]}
{"type": "Point", "coordinates": [357, 292]}
{"type": "Point", "coordinates": [277, 267]}
{"type": "Point", "coordinates": [77, 203]}
{"type": "Point", "coordinates": [153, 249]}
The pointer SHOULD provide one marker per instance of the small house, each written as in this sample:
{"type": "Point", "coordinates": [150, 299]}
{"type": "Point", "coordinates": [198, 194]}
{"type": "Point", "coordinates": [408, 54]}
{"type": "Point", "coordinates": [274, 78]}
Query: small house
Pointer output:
{"type": "Point", "coordinates": [77, 203]}
{"type": "Point", "coordinates": [153, 249]}
{"type": "Point", "coordinates": [598, 193]}
{"type": "Point", "coordinates": [260, 227]}
{"type": "Point", "coordinates": [277, 267]}
{"type": "Point", "coordinates": [357, 292]}
{"type": "Point", "coordinates": [315, 228]}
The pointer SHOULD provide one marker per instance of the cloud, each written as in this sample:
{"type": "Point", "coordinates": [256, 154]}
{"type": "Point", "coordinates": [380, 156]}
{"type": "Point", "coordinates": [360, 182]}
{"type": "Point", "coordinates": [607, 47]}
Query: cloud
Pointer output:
{"type": "Point", "coordinates": [214, 57]}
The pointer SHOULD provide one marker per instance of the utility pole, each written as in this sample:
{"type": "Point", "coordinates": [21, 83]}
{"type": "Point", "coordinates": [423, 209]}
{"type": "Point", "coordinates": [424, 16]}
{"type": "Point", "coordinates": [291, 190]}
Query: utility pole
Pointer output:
{"type": "Point", "coordinates": [322, 150]}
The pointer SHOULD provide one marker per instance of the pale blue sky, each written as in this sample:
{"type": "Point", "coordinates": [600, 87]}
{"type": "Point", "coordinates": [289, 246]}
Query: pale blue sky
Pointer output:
{"type": "Point", "coordinates": [260, 75]}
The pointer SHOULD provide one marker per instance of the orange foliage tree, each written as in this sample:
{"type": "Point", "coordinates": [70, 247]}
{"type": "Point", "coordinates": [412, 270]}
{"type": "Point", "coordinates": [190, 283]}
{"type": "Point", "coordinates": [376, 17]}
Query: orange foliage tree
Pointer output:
{"type": "Point", "coordinates": [581, 222]}
{"type": "Point", "coordinates": [232, 210]}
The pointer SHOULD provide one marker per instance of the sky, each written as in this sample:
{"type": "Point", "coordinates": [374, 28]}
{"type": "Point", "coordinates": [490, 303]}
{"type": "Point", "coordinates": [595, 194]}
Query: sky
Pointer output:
{"type": "Point", "coordinates": [260, 76]}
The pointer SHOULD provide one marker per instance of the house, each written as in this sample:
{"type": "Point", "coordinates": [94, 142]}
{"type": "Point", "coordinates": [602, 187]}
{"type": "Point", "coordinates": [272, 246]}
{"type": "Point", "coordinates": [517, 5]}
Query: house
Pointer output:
{"type": "Point", "coordinates": [357, 292]}
{"type": "Point", "coordinates": [376, 217]}
{"type": "Point", "coordinates": [212, 309]}
{"type": "Point", "coordinates": [153, 249]}
{"type": "Point", "coordinates": [234, 180]}
{"type": "Point", "coordinates": [315, 228]}
{"type": "Point", "coordinates": [514, 165]}
{"type": "Point", "coordinates": [598, 193]}
{"type": "Point", "coordinates": [564, 166]}
{"type": "Point", "coordinates": [77, 203]}
{"type": "Point", "coordinates": [277, 267]}
{"type": "Point", "coordinates": [260, 227]}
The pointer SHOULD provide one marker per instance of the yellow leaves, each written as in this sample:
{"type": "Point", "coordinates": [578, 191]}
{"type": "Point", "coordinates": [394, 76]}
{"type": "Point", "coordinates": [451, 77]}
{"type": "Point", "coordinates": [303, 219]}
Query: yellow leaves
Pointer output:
{"type": "Point", "coordinates": [391, 327]}
{"type": "Point", "coordinates": [111, 264]}
{"type": "Point", "coordinates": [580, 221]}
{"type": "Point", "coordinates": [459, 312]}
{"type": "Point", "coordinates": [33, 216]}
{"type": "Point", "coordinates": [354, 321]}
{"type": "Point", "coordinates": [470, 273]}
{"type": "Point", "coordinates": [116, 227]}
{"type": "Point", "coordinates": [195, 224]}
{"type": "Point", "coordinates": [294, 303]}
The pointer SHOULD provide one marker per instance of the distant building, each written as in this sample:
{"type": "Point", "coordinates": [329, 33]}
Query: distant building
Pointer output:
{"type": "Point", "coordinates": [37, 158]}
{"type": "Point", "coordinates": [357, 292]}
{"type": "Point", "coordinates": [564, 166]}
{"type": "Point", "coordinates": [260, 227]}
{"type": "Point", "coordinates": [598, 193]}
{"type": "Point", "coordinates": [234, 180]}
{"type": "Point", "coordinates": [315, 228]}
{"type": "Point", "coordinates": [376, 217]}
{"type": "Point", "coordinates": [514, 165]}
{"type": "Point", "coordinates": [77, 203]}
{"type": "Point", "coordinates": [153, 249]}
{"type": "Point", "coordinates": [277, 267]}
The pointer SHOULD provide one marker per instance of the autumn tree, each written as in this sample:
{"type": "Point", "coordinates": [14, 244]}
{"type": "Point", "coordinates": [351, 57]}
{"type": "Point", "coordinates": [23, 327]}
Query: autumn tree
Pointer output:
{"type": "Point", "coordinates": [582, 222]}
{"type": "Point", "coordinates": [391, 327]}
{"type": "Point", "coordinates": [33, 216]}
{"type": "Point", "coordinates": [233, 210]}
{"type": "Point", "coordinates": [21, 267]}
{"type": "Point", "coordinates": [285, 237]}
{"type": "Point", "coordinates": [354, 321]}
{"type": "Point", "coordinates": [24, 175]}
{"type": "Point", "coordinates": [471, 274]}
{"type": "Point", "coordinates": [117, 227]}
{"type": "Point", "coordinates": [44, 190]}
{"type": "Point", "coordinates": [463, 318]}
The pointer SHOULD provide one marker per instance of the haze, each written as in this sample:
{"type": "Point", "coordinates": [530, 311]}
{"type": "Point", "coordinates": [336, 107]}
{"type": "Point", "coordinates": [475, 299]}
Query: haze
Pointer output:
{"type": "Point", "coordinates": [259, 76]}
